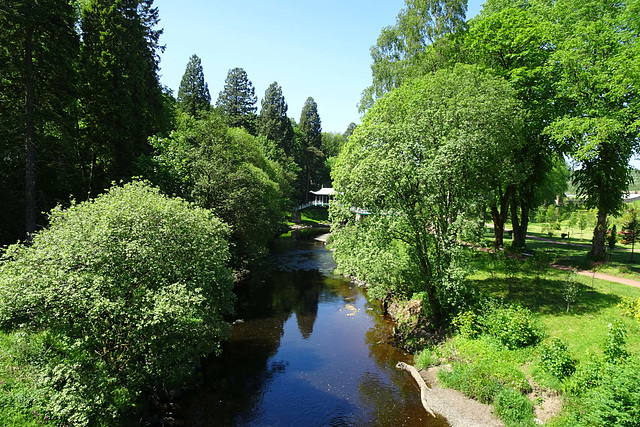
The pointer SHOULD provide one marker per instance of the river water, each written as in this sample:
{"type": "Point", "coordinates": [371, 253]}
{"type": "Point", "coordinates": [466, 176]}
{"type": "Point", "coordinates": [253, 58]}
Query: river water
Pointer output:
{"type": "Point", "coordinates": [310, 350]}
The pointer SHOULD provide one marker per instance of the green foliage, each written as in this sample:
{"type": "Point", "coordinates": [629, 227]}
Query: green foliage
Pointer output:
{"type": "Point", "coordinates": [366, 250]}
{"type": "Point", "coordinates": [193, 93]}
{"type": "Point", "coordinates": [466, 324]}
{"type": "Point", "coordinates": [273, 122]}
{"type": "Point", "coordinates": [513, 408]}
{"type": "Point", "coordinates": [476, 380]}
{"type": "Point", "coordinates": [426, 358]}
{"type": "Point", "coordinates": [515, 326]}
{"type": "Point", "coordinates": [121, 98]}
{"type": "Point", "coordinates": [631, 307]}
{"type": "Point", "coordinates": [570, 290]}
{"type": "Point", "coordinates": [630, 229]}
{"type": "Point", "coordinates": [604, 395]}
{"type": "Point", "coordinates": [225, 170]}
{"type": "Point", "coordinates": [412, 162]}
{"type": "Point", "coordinates": [131, 288]}
{"type": "Point", "coordinates": [237, 101]}
{"type": "Point", "coordinates": [310, 127]}
{"type": "Point", "coordinates": [615, 343]}
{"type": "Point", "coordinates": [556, 359]}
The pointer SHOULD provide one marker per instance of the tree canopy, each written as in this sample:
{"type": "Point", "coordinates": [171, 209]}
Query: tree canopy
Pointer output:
{"type": "Point", "coordinates": [132, 288]}
{"type": "Point", "coordinates": [411, 167]}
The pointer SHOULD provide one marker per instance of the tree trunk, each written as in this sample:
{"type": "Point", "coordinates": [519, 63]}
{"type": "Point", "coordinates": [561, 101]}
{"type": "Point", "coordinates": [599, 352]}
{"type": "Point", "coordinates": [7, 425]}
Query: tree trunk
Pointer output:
{"type": "Point", "coordinates": [599, 235]}
{"type": "Point", "coordinates": [499, 216]}
{"type": "Point", "coordinates": [519, 225]}
{"type": "Point", "coordinates": [29, 143]}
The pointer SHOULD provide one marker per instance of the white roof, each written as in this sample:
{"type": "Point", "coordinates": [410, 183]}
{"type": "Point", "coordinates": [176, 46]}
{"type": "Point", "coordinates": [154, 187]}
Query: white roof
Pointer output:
{"type": "Point", "coordinates": [324, 192]}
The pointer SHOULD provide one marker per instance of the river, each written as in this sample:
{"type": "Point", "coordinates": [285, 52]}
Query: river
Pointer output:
{"type": "Point", "coordinates": [309, 350]}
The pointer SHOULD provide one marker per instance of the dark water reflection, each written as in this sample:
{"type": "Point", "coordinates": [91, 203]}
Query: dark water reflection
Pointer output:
{"type": "Point", "coordinates": [310, 351]}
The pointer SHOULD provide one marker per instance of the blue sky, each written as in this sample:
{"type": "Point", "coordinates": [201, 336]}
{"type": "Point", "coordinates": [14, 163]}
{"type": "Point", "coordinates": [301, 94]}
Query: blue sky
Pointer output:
{"type": "Point", "coordinates": [311, 48]}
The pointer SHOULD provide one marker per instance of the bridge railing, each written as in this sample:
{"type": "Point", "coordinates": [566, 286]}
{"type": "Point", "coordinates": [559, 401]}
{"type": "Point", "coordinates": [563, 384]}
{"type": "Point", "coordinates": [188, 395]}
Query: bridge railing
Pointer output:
{"type": "Point", "coordinates": [309, 204]}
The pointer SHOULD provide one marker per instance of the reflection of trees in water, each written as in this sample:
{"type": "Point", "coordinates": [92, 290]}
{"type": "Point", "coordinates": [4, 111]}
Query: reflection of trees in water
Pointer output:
{"type": "Point", "coordinates": [236, 379]}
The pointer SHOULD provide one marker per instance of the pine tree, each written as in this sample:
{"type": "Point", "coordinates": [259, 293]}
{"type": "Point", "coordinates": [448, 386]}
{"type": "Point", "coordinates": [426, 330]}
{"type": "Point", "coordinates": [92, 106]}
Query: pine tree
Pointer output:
{"type": "Point", "coordinates": [311, 128]}
{"type": "Point", "coordinates": [193, 94]}
{"type": "Point", "coordinates": [121, 99]}
{"type": "Point", "coordinates": [237, 100]}
{"type": "Point", "coordinates": [273, 121]}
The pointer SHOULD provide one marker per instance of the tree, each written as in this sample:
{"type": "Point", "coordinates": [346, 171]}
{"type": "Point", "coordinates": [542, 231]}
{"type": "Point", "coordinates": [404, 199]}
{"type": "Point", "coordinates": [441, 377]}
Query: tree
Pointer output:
{"type": "Point", "coordinates": [595, 66]}
{"type": "Point", "coordinates": [612, 239]}
{"type": "Point", "coordinates": [225, 170]}
{"type": "Point", "coordinates": [411, 165]}
{"type": "Point", "coordinates": [237, 100]}
{"type": "Point", "coordinates": [422, 39]}
{"type": "Point", "coordinates": [37, 96]}
{"type": "Point", "coordinates": [132, 288]}
{"type": "Point", "coordinates": [347, 133]}
{"type": "Point", "coordinates": [122, 99]}
{"type": "Point", "coordinates": [514, 39]}
{"type": "Point", "coordinates": [630, 229]}
{"type": "Point", "coordinates": [273, 122]}
{"type": "Point", "coordinates": [311, 128]}
{"type": "Point", "coordinates": [193, 93]}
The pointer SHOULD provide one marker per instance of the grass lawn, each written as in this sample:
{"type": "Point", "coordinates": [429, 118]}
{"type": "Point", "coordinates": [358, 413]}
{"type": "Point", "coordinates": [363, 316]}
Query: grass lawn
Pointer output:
{"type": "Point", "coordinates": [314, 215]}
{"type": "Point", "coordinates": [542, 289]}
{"type": "Point", "coordinates": [569, 251]}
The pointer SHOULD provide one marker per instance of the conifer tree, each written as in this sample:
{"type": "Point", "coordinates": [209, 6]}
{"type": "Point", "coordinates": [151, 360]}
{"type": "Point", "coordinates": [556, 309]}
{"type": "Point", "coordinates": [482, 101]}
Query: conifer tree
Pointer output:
{"type": "Point", "coordinates": [273, 122]}
{"type": "Point", "coordinates": [121, 99]}
{"type": "Point", "coordinates": [193, 93]}
{"type": "Point", "coordinates": [311, 128]}
{"type": "Point", "coordinates": [38, 46]}
{"type": "Point", "coordinates": [237, 100]}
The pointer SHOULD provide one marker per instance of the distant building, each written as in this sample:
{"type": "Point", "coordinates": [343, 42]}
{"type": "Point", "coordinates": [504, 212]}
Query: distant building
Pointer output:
{"type": "Point", "coordinates": [323, 196]}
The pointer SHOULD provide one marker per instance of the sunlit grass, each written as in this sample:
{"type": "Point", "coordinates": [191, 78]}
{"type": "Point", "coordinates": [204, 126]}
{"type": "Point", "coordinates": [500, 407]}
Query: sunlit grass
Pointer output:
{"type": "Point", "coordinates": [541, 289]}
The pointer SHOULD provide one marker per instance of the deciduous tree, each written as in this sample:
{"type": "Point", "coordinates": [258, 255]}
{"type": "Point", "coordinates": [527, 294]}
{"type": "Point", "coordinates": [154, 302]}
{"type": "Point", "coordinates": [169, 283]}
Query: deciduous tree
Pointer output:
{"type": "Point", "coordinates": [412, 165]}
{"type": "Point", "coordinates": [596, 64]}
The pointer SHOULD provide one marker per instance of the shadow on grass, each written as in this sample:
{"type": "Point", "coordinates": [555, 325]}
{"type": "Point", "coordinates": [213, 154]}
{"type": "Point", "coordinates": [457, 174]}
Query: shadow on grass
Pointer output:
{"type": "Point", "coordinates": [538, 288]}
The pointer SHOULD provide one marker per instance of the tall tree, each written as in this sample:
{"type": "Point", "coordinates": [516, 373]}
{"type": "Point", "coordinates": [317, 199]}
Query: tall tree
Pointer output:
{"type": "Point", "coordinates": [595, 65]}
{"type": "Point", "coordinates": [37, 92]}
{"type": "Point", "coordinates": [193, 93]}
{"type": "Point", "coordinates": [423, 36]}
{"type": "Point", "coordinates": [237, 100]}
{"type": "Point", "coordinates": [411, 165]}
{"type": "Point", "coordinates": [122, 99]}
{"type": "Point", "coordinates": [311, 128]}
{"type": "Point", "coordinates": [273, 122]}
{"type": "Point", "coordinates": [516, 42]}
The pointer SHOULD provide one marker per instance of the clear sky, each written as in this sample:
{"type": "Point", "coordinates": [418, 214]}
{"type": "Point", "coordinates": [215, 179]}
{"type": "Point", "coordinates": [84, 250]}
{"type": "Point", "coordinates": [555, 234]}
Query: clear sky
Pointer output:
{"type": "Point", "coordinates": [311, 48]}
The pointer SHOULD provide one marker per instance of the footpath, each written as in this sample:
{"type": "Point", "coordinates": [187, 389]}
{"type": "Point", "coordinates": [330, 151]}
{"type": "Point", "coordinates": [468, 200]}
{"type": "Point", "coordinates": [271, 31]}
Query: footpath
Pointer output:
{"type": "Point", "coordinates": [589, 273]}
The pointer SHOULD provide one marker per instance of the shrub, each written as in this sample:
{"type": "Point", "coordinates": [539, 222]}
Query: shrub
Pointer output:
{"type": "Point", "coordinates": [473, 380]}
{"type": "Point", "coordinates": [557, 360]}
{"type": "Point", "coordinates": [612, 400]}
{"type": "Point", "coordinates": [515, 326]}
{"type": "Point", "coordinates": [615, 343]}
{"type": "Point", "coordinates": [631, 307]}
{"type": "Point", "coordinates": [513, 408]}
{"type": "Point", "coordinates": [133, 286]}
{"type": "Point", "coordinates": [466, 324]}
